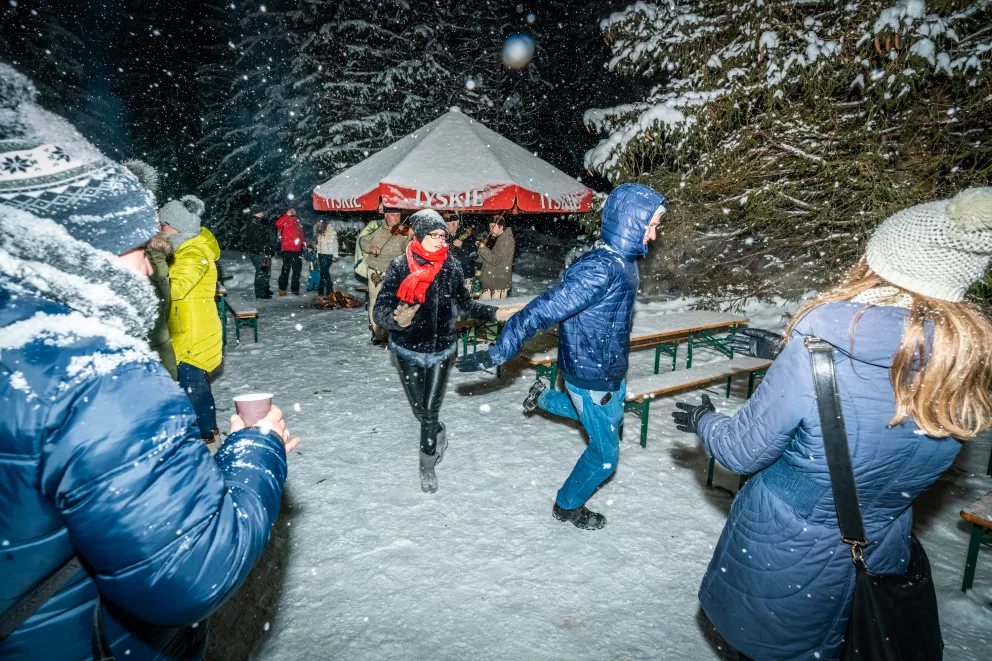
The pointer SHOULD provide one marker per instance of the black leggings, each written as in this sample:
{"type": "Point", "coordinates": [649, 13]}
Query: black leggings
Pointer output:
{"type": "Point", "coordinates": [424, 388]}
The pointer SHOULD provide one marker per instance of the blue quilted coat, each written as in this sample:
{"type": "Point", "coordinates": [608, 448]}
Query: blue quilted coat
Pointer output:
{"type": "Point", "coordinates": [595, 301]}
{"type": "Point", "coordinates": [100, 456]}
{"type": "Point", "coordinates": [780, 582]}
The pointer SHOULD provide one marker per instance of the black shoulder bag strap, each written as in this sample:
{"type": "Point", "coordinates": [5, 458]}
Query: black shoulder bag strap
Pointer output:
{"type": "Point", "coordinates": [33, 599]}
{"type": "Point", "coordinates": [852, 530]}
{"type": "Point", "coordinates": [12, 618]}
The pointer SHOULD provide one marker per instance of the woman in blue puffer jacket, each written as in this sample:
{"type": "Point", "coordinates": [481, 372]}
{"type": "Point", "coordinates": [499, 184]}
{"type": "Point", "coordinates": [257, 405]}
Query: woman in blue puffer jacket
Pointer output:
{"type": "Point", "coordinates": [781, 580]}
{"type": "Point", "coordinates": [100, 454]}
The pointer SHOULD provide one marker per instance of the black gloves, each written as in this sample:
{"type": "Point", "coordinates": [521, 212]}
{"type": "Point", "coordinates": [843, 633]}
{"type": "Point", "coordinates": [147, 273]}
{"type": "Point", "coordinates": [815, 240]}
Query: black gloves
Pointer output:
{"type": "Point", "coordinates": [756, 342]}
{"type": "Point", "coordinates": [687, 419]}
{"type": "Point", "coordinates": [474, 362]}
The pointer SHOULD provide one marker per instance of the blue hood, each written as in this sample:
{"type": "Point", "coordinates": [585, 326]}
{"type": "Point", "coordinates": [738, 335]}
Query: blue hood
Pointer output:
{"type": "Point", "coordinates": [626, 215]}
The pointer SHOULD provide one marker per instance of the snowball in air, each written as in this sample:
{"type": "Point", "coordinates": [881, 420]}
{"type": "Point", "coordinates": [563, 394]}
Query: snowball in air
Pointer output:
{"type": "Point", "coordinates": [485, 408]}
{"type": "Point", "coordinates": [518, 51]}
{"type": "Point", "coordinates": [469, 84]}
{"type": "Point", "coordinates": [296, 407]}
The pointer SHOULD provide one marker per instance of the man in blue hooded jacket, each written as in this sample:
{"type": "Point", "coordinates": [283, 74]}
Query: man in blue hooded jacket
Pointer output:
{"type": "Point", "coordinates": [594, 307]}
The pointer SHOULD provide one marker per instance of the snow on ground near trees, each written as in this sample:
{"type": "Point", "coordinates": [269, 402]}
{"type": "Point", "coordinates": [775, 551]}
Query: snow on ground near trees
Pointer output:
{"type": "Point", "coordinates": [363, 565]}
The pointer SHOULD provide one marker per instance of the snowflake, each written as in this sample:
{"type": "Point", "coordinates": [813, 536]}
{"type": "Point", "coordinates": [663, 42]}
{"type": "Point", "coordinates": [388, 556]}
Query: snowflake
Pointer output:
{"type": "Point", "coordinates": [14, 164]}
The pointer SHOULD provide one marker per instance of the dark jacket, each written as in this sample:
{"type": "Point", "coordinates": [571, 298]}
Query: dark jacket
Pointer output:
{"type": "Point", "coordinates": [100, 456]}
{"type": "Point", "coordinates": [497, 262]}
{"type": "Point", "coordinates": [780, 583]}
{"type": "Point", "coordinates": [159, 251]}
{"type": "Point", "coordinates": [433, 327]}
{"type": "Point", "coordinates": [594, 304]}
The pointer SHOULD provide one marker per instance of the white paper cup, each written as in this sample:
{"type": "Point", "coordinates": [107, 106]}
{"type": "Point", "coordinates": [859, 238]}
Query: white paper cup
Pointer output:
{"type": "Point", "coordinates": [253, 407]}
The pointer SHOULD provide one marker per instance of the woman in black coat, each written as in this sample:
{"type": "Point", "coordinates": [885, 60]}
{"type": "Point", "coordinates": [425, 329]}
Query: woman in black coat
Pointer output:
{"type": "Point", "coordinates": [422, 295]}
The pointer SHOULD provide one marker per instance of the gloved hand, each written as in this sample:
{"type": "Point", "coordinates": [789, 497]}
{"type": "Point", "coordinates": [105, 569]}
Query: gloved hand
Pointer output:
{"type": "Point", "coordinates": [756, 342]}
{"type": "Point", "coordinates": [403, 314]}
{"type": "Point", "coordinates": [687, 419]}
{"type": "Point", "coordinates": [474, 362]}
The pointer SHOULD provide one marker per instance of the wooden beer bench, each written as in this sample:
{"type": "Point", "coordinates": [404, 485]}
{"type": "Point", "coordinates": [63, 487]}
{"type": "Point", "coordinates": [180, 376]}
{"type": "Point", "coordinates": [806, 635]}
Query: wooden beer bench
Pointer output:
{"type": "Point", "coordinates": [979, 515]}
{"type": "Point", "coordinates": [641, 390]}
{"type": "Point", "coordinates": [245, 318]}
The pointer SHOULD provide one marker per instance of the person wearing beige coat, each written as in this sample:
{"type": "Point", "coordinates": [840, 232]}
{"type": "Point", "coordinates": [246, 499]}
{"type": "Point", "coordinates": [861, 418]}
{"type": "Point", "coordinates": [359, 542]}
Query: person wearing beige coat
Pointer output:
{"type": "Point", "coordinates": [497, 262]}
{"type": "Point", "coordinates": [381, 247]}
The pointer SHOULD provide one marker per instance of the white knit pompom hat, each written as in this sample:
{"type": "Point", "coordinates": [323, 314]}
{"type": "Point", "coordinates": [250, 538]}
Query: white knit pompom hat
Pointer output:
{"type": "Point", "coordinates": [937, 249]}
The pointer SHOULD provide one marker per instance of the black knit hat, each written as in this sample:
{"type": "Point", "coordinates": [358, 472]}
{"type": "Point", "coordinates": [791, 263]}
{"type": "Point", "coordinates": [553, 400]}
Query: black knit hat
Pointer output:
{"type": "Point", "coordinates": [426, 221]}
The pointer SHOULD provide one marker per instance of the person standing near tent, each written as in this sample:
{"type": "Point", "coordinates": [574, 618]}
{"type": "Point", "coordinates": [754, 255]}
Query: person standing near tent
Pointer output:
{"type": "Point", "coordinates": [293, 242]}
{"type": "Point", "coordinates": [594, 309]}
{"type": "Point", "coordinates": [260, 242]}
{"type": "Point", "coordinates": [381, 247]}
{"type": "Point", "coordinates": [497, 260]}
{"type": "Point", "coordinates": [461, 246]}
{"type": "Point", "coordinates": [197, 335]}
{"type": "Point", "coordinates": [422, 296]}
{"type": "Point", "coordinates": [327, 253]}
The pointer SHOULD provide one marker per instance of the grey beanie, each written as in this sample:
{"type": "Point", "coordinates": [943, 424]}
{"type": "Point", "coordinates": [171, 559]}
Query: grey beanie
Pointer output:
{"type": "Point", "coordinates": [937, 249]}
{"type": "Point", "coordinates": [426, 221]}
{"type": "Point", "coordinates": [178, 217]}
{"type": "Point", "coordinates": [50, 171]}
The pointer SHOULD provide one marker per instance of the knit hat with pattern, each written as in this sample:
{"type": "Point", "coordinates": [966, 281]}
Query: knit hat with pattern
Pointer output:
{"type": "Point", "coordinates": [937, 249]}
{"type": "Point", "coordinates": [49, 170]}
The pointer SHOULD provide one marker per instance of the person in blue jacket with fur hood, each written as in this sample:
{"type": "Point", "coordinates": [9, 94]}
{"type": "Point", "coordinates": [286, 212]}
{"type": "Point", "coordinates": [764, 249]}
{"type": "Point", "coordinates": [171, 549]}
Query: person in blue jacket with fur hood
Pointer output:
{"type": "Point", "coordinates": [104, 481]}
{"type": "Point", "coordinates": [781, 581]}
{"type": "Point", "coordinates": [594, 309]}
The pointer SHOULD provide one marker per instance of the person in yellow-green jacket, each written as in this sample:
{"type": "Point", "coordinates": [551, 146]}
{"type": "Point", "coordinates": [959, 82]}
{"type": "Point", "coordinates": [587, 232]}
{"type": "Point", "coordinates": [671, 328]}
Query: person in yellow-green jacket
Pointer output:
{"type": "Point", "coordinates": [193, 321]}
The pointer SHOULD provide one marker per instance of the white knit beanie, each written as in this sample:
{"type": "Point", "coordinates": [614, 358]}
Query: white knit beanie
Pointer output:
{"type": "Point", "coordinates": [937, 249]}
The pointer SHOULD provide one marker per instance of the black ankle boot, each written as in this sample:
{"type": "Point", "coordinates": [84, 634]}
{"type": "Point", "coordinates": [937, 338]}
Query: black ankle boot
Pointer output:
{"type": "Point", "coordinates": [581, 517]}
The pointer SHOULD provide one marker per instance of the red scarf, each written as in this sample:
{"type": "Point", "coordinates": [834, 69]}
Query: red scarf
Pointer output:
{"type": "Point", "coordinates": [413, 289]}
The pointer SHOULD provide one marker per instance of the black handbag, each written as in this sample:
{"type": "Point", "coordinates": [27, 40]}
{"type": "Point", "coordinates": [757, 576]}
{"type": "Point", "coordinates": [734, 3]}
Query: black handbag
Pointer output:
{"type": "Point", "coordinates": [893, 617]}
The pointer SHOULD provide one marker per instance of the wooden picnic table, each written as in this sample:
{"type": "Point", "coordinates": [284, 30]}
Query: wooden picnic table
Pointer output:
{"type": "Point", "coordinates": [664, 332]}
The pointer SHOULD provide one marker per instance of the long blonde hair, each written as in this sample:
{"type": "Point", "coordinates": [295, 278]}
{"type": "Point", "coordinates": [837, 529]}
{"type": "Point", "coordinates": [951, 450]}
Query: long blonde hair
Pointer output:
{"type": "Point", "coordinates": [946, 393]}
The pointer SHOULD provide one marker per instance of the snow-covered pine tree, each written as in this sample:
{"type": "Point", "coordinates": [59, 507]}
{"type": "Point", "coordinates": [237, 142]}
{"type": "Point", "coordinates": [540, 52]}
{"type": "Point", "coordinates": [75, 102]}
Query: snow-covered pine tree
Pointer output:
{"type": "Point", "coordinates": [160, 54]}
{"type": "Point", "coordinates": [36, 41]}
{"type": "Point", "coordinates": [247, 128]}
{"type": "Point", "coordinates": [783, 132]}
{"type": "Point", "coordinates": [507, 101]}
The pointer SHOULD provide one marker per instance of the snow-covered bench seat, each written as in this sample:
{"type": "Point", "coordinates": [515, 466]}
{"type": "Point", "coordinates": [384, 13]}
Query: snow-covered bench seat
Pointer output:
{"type": "Point", "coordinates": [642, 389]}
{"type": "Point", "coordinates": [245, 317]}
{"type": "Point", "coordinates": [979, 515]}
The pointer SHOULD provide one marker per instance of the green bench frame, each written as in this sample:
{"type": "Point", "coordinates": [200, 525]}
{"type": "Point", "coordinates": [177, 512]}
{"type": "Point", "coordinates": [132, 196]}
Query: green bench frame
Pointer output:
{"type": "Point", "coordinates": [981, 535]}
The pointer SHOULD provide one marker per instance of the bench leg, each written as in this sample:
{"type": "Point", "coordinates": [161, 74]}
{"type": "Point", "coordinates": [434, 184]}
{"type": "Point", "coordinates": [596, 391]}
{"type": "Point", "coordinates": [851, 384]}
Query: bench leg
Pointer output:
{"type": "Point", "coordinates": [729, 379]}
{"type": "Point", "coordinates": [645, 409]}
{"type": "Point", "coordinates": [254, 326]}
{"type": "Point", "coordinates": [657, 358]}
{"type": "Point", "coordinates": [709, 472]}
{"type": "Point", "coordinates": [750, 384]}
{"type": "Point", "coordinates": [675, 355]}
{"type": "Point", "coordinates": [688, 359]}
{"type": "Point", "coordinates": [977, 532]}
{"type": "Point", "coordinates": [554, 375]}
{"type": "Point", "coordinates": [237, 330]}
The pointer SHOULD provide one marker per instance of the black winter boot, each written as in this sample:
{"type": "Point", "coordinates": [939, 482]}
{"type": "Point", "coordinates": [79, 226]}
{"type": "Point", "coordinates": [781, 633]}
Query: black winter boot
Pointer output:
{"type": "Point", "coordinates": [530, 402]}
{"type": "Point", "coordinates": [581, 517]}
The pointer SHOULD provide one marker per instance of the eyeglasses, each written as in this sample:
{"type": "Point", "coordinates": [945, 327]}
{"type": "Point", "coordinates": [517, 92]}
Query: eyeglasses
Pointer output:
{"type": "Point", "coordinates": [439, 236]}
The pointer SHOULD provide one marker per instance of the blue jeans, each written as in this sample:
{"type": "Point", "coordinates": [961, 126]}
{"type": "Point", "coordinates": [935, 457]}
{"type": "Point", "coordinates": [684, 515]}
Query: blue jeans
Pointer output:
{"type": "Point", "coordinates": [602, 422]}
{"type": "Point", "coordinates": [194, 383]}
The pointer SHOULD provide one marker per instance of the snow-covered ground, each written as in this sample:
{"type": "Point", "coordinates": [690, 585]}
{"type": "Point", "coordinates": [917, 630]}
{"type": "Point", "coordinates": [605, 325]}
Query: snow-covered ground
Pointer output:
{"type": "Point", "coordinates": [363, 565]}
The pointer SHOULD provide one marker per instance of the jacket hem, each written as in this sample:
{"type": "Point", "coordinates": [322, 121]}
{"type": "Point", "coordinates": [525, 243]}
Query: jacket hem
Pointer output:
{"type": "Point", "coordinates": [592, 384]}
